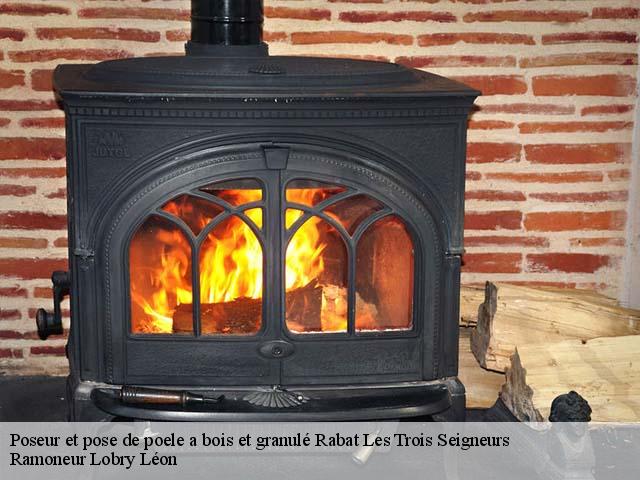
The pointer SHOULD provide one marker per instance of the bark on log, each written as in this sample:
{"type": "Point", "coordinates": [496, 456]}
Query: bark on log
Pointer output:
{"type": "Point", "coordinates": [482, 386]}
{"type": "Point", "coordinates": [603, 370]}
{"type": "Point", "coordinates": [243, 315]}
{"type": "Point", "coordinates": [512, 316]}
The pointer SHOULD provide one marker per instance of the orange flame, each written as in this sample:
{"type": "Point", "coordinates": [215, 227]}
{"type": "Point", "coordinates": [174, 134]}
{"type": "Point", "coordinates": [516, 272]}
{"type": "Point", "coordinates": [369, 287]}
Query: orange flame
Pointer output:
{"type": "Point", "coordinates": [230, 263]}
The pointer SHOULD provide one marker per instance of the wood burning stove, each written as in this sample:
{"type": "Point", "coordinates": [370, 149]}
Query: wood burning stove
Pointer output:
{"type": "Point", "coordinates": [282, 231]}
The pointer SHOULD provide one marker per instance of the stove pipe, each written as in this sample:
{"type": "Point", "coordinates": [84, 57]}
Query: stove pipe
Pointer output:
{"type": "Point", "coordinates": [226, 28]}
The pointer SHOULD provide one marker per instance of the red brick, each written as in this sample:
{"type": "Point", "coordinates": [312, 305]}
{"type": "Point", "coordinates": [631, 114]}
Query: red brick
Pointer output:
{"type": "Point", "coordinates": [306, 38]}
{"type": "Point", "coordinates": [178, 35]}
{"type": "Point", "coordinates": [552, 127]}
{"type": "Point", "coordinates": [375, 58]}
{"type": "Point", "coordinates": [32, 148]}
{"type": "Point", "coordinates": [46, 55]}
{"type": "Point", "coordinates": [48, 350]}
{"type": "Point", "coordinates": [12, 34]}
{"type": "Point", "coordinates": [605, 85]}
{"type": "Point", "coordinates": [489, 125]}
{"type": "Point", "coordinates": [565, 177]}
{"type": "Point", "coordinates": [61, 242]}
{"type": "Point", "coordinates": [456, 61]}
{"type": "Point", "coordinates": [33, 312]}
{"type": "Point", "coordinates": [495, 84]}
{"type": "Point", "coordinates": [13, 292]}
{"type": "Point", "coordinates": [597, 242]}
{"type": "Point", "coordinates": [506, 241]}
{"type": "Point", "coordinates": [298, 13]}
{"type": "Point", "coordinates": [590, 37]}
{"type": "Point", "coordinates": [491, 262]}
{"type": "Point", "coordinates": [28, 105]}
{"type": "Point", "coordinates": [473, 175]}
{"type": "Point", "coordinates": [474, 38]}
{"type": "Point", "coordinates": [11, 334]}
{"type": "Point", "coordinates": [33, 335]}
{"type": "Point", "coordinates": [125, 34]}
{"type": "Point", "coordinates": [507, 220]}
{"type": "Point", "coordinates": [619, 13]}
{"type": "Point", "coordinates": [8, 190]}
{"type": "Point", "coordinates": [560, 16]}
{"type": "Point", "coordinates": [495, 195]}
{"type": "Point", "coordinates": [42, 122]}
{"type": "Point", "coordinates": [583, 197]}
{"type": "Point", "coordinates": [566, 221]}
{"type": "Point", "coordinates": [31, 268]}
{"type": "Point", "coordinates": [22, 242]}
{"type": "Point", "coordinates": [390, 16]}
{"type": "Point", "coordinates": [42, 80]}
{"type": "Point", "coordinates": [32, 221]}
{"type": "Point", "coordinates": [606, 109]}
{"type": "Point", "coordinates": [559, 154]}
{"type": "Point", "coordinates": [619, 175]}
{"type": "Point", "coordinates": [370, 1]}
{"type": "Point", "coordinates": [488, 152]}
{"type": "Point", "coordinates": [12, 314]}
{"type": "Point", "coordinates": [275, 36]}
{"type": "Point", "coordinates": [4, 122]}
{"type": "Point", "coordinates": [11, 353]}
{"type": "Point", "coordinates": [532, 108]}
{"type": "Point", "coordinates": [32, 9]}
{"type": "Point", "coordinates": [42, 292]}
{"type": "Point", "coordinates": [60, 193]}
{"type": "Point", "coordinates": [566, 262]}
{"type": "Point", "coordinates": [593, 58]}
{"type": "Point", "coordinates": [145, 13]}
{"type": "Point", "coordinates": [33, 172]}
{"type": "Point", "coordinates": [11, 78]}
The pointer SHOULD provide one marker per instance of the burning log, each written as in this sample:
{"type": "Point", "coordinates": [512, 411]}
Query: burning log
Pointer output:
{"type": "Point", "coordinates": [243, 316]}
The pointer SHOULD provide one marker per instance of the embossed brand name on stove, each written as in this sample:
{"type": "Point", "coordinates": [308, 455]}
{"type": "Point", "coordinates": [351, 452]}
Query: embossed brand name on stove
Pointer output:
{"type": "Point", "coordinates": [109, 144]}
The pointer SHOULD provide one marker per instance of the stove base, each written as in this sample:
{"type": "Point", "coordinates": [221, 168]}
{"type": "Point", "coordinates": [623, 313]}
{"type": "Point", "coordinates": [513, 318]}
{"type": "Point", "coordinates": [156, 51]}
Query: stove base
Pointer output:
{"type": "Point", "coordinates": [443, 399]}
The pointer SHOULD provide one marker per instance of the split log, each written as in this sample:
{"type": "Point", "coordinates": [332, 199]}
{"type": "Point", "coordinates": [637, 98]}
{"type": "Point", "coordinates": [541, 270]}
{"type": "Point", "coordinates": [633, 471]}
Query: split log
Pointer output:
{"type": "Point", "coordinates": [603, 370]}
{"type": "Point", "coordinates": [470, 300]}
{"type": "Point", "coordinates": [243, 315]}
{"type": "Point", "coordinates": [482, 386]}
{"type": "Point", "coordinates": [512, 316]}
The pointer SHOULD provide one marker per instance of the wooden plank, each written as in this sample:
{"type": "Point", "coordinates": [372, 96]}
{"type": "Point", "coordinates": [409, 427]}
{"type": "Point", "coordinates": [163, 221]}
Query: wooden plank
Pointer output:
{"type": "Point", "coordinates": [512, 316]}
{"type": "Point", "coordinates": [605, 371]}
{"type": "Point", "coordinates": [482, 386]}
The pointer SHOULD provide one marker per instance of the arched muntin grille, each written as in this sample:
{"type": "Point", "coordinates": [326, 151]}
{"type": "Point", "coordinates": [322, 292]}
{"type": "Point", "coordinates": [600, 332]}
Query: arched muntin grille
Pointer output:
{"type": "Point", "coordinates": [197, 263]}
{"type": "Point", "coordinates": [351, 214]}
{"type": "Point", "coordinates": [206, 215]}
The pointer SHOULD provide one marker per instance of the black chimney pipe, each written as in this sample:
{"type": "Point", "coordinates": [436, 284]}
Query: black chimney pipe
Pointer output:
{"type": "Point", "coordinates": [226, 28]}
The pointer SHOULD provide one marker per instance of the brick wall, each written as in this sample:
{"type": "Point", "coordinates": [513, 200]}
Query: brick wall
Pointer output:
{"type": "Point", "coordinates": [549, 151]}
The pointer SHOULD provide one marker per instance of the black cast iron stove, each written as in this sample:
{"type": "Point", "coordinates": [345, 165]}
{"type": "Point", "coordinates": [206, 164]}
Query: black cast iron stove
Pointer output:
{"type": "Point", "coordinates": [279, 236]}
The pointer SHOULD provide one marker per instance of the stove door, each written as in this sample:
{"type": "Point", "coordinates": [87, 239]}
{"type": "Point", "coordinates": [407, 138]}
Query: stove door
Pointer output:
{"type": "Point", "coordinates": [348, 269]}
{"type": "Point", "coordinates": [200, 286]}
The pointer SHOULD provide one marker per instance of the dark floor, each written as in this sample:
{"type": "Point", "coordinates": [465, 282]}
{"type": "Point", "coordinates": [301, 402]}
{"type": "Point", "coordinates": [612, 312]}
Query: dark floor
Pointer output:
{"type": "Point", "coordinates": [35, 399]}
{"type": "Point", "coordinates": [30, 399]}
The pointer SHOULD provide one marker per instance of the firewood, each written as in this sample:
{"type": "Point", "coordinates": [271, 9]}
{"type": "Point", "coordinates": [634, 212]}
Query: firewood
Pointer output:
{"type": "Point", "coordinates": [470, 300]}
{"type": "Point", "coordinates": [482, 386]}
{"type": "Point", "coordinates": [243, 315]}
{"type": "Point", "coordinates": [512, 316]}
{"type": "Point", "coordinates": [603, 370]}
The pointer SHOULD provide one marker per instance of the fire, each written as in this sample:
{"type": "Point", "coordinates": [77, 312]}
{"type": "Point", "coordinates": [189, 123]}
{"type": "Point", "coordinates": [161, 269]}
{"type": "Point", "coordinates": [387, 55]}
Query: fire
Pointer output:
{"type": "Point", "coordinates": [231, 258]}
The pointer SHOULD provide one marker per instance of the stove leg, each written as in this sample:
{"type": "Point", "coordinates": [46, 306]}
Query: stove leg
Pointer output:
{"type": "Point", "coordinates": [457, 411]}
